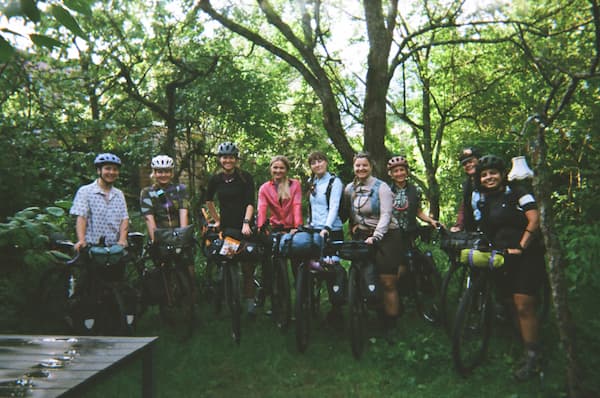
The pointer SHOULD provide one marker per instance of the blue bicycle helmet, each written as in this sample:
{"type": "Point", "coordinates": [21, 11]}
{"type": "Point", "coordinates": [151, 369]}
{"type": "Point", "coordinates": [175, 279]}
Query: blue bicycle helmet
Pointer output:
{"type": "Point", "coordinates": [107, 158]}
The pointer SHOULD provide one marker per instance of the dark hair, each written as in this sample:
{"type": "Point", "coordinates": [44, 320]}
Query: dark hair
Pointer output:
{"type": "Point", "coordinates": [489, 162]}
{"type": "Point", "coordinates": [363, 155]}
{"type": "Point", "coordinates": [317, 155]}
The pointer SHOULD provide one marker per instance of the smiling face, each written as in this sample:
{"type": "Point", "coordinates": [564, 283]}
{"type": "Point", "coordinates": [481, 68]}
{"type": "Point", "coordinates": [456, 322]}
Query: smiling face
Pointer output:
{"type": "Point", "coordinates": [399, 174]}
{"type": "Point", "coordinates": [490, 179]}
{"type": "Point", "coordinates": [109, 173]}
{"type": "Point", "coordinates": [163, 176]}
{"type": "Point", "coordinates": [228, 163]}
{"type": "Point", "coordinates": [318, 167]}
{"type": "Point", "coordinates": [278, 170]}
{"type": "Point", "coordinates": [362, 168]}
{"type": "Point", "coordinates": [470, 165]}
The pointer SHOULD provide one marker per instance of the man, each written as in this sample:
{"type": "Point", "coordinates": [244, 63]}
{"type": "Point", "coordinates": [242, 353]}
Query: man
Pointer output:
{"type": "Point", "coordinates": [100, 207]}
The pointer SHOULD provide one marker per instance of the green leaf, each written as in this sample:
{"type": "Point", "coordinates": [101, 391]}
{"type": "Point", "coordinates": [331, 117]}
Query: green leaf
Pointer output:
{"type": "Point", "coordinates": [63, 204]}
{"type": "Point", "coordinates": [55, 211]}
{"type": "Point", "coordinates": [66, 19]}
{"type": "Point", "coordinates": [12, 9]}
{"type": "Point", "coordinates": [29, 8]}
{"type": "Point", "coordinates": [60, 255]}
{"type": "Point", "coordinates": [81, 6]}
{"type": "Point", "coordinates": [6, 50]}
{"type": "Point", "coordinates": [44, 41]}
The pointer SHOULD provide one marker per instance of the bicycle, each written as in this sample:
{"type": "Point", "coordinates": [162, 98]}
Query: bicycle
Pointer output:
{"type": "Point", "coordinates": [458, 277]}
{"type": "Point", "coordinates": [168, 281]}
{"type": "Point", "coordinates": [90, 291]}
{"type": "Point", "coordinates": [423, 280]}
{"type": "Point", "coordinates": [361, 256]}
{"type": "Point", "coordinates": [223, 249]}
{"type": "Point", "coordinates": [306, 245]}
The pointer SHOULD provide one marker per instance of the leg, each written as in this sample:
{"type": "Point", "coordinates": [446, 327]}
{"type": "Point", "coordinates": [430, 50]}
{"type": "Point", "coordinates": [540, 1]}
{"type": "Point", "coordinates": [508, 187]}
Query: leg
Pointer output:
{"type": "Point", "coordinates": [529, 328]}
{"type": "Point", "coordinates": [391, 299]}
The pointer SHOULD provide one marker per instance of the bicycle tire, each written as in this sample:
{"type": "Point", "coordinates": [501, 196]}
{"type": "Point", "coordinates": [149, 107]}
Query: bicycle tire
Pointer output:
{"type": "Point", "coordinates": [357, 313]}
{"type": "Point", "coordinates": [426, 291]}
{"type": "Point", "coordinates": [54, 300]}
{"type": "Point", "coordinates": [177, 306]}
{"type": "Point", "coordinates": [453, 286]}
{"type": "Point", "coordinates": [303, 307]}
{"type": "Point", "coordinates": [472, 327]}
{"type": "Point", "coordinates": [281, 300]}
{"type": "Point", "coordinates": [232, 297]}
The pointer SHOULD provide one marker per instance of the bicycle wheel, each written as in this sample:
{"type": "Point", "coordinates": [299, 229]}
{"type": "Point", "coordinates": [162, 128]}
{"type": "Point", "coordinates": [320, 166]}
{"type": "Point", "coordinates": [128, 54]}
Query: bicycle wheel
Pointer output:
{"type": "Point", "coordinates": [177, 306]}
{"type": "Point", "coordinates": [427, 288]}
{"type": "Point", "coordinates": [55, 300]}
{"type": "Point", "coordinates": [453, 286]}
{"type": "Point", "coordinates": [232, 297]}
{"type": "Point", "coordinates": [303, 307]}
{"type": "Point", "coordinates": [357, 313]}
{"type": "Point", "coordinates": [111, 316]}
{"type": "Point", "coordinates": [472, 327]}
{"type": "Point", "coordinates": [281, 301]}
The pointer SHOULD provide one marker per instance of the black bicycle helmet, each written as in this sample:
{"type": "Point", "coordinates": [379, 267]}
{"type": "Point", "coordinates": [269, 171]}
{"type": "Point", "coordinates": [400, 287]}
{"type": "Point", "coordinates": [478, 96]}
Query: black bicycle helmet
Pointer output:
{"type": "Point", "coordinates": [106, 158]}
{"type": "Point", "coordinates": [491, 162]}
{"type": "Point", "coordinates": [228, 148]}
{"type": "Point", "coordinates": [467, 153]}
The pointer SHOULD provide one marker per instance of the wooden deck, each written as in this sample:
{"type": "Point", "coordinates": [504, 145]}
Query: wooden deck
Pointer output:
{"type": "Point", "coordinates": [52, 366]}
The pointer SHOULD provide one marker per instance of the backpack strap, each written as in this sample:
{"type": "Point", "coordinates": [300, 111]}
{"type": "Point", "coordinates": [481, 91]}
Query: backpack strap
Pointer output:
{"type": "Point", "coordinates": [374, 196]}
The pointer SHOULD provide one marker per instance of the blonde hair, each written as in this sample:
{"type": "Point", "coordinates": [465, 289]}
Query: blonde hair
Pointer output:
{"type": "Point", "coordinates": [283, 188]}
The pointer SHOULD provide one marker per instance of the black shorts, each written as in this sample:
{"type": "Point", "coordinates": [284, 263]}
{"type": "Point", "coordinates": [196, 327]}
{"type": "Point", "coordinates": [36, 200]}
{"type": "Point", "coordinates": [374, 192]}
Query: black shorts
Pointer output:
{"type": "Point", "coordinates": [387, 258]}
{"type": "Point", "coordinates": [525, 273]}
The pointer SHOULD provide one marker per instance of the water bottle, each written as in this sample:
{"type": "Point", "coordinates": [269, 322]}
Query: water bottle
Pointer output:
{"type": "Point", "coordinates": [71, 285]}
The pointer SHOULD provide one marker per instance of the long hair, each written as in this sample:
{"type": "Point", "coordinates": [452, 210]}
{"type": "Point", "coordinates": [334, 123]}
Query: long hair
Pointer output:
{"type": "Point", "coordinates": [283, 188]}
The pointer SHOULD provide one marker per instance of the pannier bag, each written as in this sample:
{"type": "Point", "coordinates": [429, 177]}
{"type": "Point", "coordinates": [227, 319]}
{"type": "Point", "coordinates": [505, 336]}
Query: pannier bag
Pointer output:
{"type": "Point", "coordinates": [302, 244]}
{"type": "Point", "coordinates": [371, 287]}
{"type": "Point", "coordinates": [337, 294]}
{"type": "Point", "coordinates": [463, 240]}
{"type": "Point", "coordinates": [153, 286]}
{"type": "Point", "coordinates": [107, 259]}
{"type": "Point", "coordinates": [478, 258]}
{"type": "Point", "coordinates": [172, 241]}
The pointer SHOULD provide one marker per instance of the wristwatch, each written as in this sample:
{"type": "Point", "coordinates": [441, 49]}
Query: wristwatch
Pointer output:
{"type": "Point", "coordinates": [246, 221]}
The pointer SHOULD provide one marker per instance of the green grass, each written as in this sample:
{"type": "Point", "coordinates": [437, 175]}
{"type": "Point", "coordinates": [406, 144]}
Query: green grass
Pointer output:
{"type": "Point", "coordinates": [266, 364]}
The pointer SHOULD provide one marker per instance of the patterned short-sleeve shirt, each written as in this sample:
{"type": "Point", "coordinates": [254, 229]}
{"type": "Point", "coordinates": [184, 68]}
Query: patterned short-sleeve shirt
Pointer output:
{"type": "Point", "coordinates": [164, 204]}
{"type": "Point", "coordinates": [104, 212]}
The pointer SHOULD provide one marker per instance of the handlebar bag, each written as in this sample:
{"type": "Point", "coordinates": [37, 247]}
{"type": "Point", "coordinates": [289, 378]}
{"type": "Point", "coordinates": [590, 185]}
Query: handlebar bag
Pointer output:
{"type": "Point", "coordinates": [173, 240]}
{"type": "Point", "coordinates": [462, 240]}
{"type": "Point", "coordinates": [106, 260]}
{"type": "Point", "coordinates": [354, 250]}
{"type": "Point", "coordinates": [301, 245]}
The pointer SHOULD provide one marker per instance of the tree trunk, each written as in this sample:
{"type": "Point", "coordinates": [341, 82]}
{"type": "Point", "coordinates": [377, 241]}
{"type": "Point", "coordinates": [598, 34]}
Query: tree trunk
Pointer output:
{"type": "Point", "coordinates": [566, 329]}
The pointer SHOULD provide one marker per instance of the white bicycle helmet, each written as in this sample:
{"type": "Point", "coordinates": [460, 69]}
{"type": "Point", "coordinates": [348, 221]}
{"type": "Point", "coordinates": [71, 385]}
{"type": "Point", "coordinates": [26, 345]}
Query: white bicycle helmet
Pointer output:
{"type": "Point", "coordinates": [162, 162]}
{"type": "Point", "coordinates": [106, 158]}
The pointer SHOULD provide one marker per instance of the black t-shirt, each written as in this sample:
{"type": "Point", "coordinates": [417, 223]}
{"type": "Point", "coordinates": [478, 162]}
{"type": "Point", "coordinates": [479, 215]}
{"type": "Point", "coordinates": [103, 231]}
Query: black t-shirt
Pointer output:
{"type": "Point", "coordinates": [503, 216]}
{"type": "Point", "coordinates": [234, 193]}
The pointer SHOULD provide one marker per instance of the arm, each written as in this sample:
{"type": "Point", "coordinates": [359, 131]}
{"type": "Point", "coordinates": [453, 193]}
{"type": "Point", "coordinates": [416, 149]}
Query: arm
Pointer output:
{"type": "Point", "coordinates": [249, 192]}
{"type": "Point", "coordinates": [334, 202]}
{"type": "Point", "coordinates": [460, 218]}
{"type": "Point", "coordinates": [424, 217]}
{"type": "Point", "coordinates": [183, 217]}
{"type": "Point", "coordinates": [297, 205]}
{"type": "Point", "coordinates": [533, 223]}
{"type": "Point", "coordinates": [80, 230]}
{"type": "Point", "coordinates": [246, 230]}
{"type": "Point", "coordinates": [386, 200]}
{"type": "Point", "coordinates": [212, 212]}
{"type": "Point", "coordinates": [150, 225]}
{"type": "Point", "coordinates": [262, 207]}
{"type": "Point", "coordinates": [123, 229]}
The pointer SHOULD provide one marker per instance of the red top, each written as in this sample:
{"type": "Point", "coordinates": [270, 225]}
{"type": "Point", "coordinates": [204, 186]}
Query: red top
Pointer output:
{"type": "Point", "coordinates": [287, 213]}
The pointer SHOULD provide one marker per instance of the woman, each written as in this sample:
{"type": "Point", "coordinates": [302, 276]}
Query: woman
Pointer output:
{"type": "Point", "coordinates": [406, 205]}
{"type": "Point", "coordinates": [510, 219]}
{"type": "Point", "coordinates": [324, 203]}
{"type": "Point", "coordinates": [165, 204]}
{"type": "Point", "coordinates": [234, 189]}
{"type": "Point", "coordinates": [281, 197]}
{"type": "Point", "coordinates": [371, 220]}
{"type": "Point", "coordinates": [468, 158]}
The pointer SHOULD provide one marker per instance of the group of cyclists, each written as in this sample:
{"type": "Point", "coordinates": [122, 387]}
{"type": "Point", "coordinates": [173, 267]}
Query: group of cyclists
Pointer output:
{"type": "Point", "coordinates": [378, 213]}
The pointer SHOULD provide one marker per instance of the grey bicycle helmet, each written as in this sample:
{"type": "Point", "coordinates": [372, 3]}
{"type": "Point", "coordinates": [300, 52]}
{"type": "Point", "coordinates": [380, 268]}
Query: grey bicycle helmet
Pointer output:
{"type": "Point", "coordinates": [397, 161]}
{"type": "Point", "coordinates": [228, 148]}
{"type": "Point", "coordinates": [107, 158]}
{"type": "Point", "coordinates": [162, 162]}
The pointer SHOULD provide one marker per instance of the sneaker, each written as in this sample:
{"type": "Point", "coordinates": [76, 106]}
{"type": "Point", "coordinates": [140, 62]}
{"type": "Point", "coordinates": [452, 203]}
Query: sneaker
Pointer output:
{"type": "Point", "coordinates": [528, 367]}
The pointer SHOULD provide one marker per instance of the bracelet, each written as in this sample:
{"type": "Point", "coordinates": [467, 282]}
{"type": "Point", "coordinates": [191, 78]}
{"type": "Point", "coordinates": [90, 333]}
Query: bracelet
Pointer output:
{"type": "Point", "coordinates": [328, 229]}
{"type": "Point", "coordinates": [521, 247]}
{"type": "Point", "coordinates": [531, 232]}
{"type": "Point", "coordinates": [246, 221]}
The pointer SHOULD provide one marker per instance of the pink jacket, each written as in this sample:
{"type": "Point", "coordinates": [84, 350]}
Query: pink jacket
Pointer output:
{"type": "Point", "coordinates": [288, 213]}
